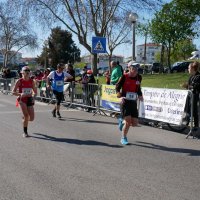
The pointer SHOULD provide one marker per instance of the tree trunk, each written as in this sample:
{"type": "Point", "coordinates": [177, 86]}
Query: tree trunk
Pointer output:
{"type": "Point", "coordinates": [94, 64]}
{"type": "Point", "coordinates": [162, 58]}
{"type": "Point", "coordinates": [169, 57]}
{"type": "Point", "coordinates": [5, 60]}
{"type": "Point", "coordinates": [145, 49]}
{"type": "Point", "coordinates": [109, 60]}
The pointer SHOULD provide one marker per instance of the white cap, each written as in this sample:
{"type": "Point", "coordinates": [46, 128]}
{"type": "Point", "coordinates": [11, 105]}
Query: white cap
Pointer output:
{"type": "Point", "coordinates": [24, 68]}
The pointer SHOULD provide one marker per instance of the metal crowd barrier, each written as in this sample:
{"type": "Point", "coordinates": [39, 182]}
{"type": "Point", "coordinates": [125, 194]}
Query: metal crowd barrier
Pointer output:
{"type": "Point", "coordinates": [192, 132]}
{"type": "Point", "coordinates": [87, 96]}
{"type": "Point", "coordinates": [6, 85]}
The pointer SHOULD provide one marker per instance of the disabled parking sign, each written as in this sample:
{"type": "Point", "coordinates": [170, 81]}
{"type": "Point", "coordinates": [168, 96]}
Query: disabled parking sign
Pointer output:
{"type": "Point", "coordinates": [98, 45]}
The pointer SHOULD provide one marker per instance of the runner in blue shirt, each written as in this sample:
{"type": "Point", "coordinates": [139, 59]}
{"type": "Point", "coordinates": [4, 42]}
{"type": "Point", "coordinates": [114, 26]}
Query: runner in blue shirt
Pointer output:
{"type": "Point", "coordinates": [56, 80]}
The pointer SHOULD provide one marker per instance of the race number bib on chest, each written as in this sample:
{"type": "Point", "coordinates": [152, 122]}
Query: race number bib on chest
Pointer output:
{"type": "Point", "coordinates": [131, 95]}
{"type": "Point", "coordinates": [59, 83]}
{"type": "Point", "coordinates": [27, 90]}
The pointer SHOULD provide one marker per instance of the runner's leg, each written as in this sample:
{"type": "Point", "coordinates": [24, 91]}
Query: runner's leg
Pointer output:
{"type": "Point", "coordinates": [25, 118]}
{"type": "Point", "coordinates": [31, 113]}
{"type": "Point", "coordinates": [127, 123]}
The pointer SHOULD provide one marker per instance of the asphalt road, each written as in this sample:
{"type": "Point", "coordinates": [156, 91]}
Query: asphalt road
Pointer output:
{"type": "Point", "coordinates": [80, 158]}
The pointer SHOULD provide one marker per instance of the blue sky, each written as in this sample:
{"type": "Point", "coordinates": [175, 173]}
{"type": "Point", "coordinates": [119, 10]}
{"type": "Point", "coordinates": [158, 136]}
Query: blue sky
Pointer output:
{"type": "Point", "coordinates": [123, 50]}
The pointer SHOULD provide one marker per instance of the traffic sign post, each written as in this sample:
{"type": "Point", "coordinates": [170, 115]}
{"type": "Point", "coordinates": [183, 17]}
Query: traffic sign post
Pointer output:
{"type": "Point", "coordinates": [98, 45]}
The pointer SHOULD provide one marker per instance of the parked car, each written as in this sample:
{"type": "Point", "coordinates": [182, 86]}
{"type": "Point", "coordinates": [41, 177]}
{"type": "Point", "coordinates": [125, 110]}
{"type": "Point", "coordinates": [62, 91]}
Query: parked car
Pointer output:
{"type": "Point", "coordinates": [139, 68]}
{"type": "Point", "coordinates": [182, 67]}
{"type": "Point", "coordinates": [14, 73]}
{"type": "Point", "coordinates": [77, 72]}
{"type": "Point", "coordinates": [102, 70]}
{"type": "Point", "coordinates": [155, 68]}
{"type": "Point", "coordinates": [177, 63]}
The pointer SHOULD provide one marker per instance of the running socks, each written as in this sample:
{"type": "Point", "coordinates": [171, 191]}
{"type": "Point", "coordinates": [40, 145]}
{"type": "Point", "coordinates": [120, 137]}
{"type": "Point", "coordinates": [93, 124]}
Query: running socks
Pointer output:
{"type": "Point", "coordinates": [58, 113]}
{"type": "Point", "coordinates": [25, 134]}
{"type": "Point", "coordinates": [54, 113]}
{"type": "Point", "coordinates": [25, 130]}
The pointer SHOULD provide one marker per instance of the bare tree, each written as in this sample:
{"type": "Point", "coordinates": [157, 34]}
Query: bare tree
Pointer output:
{"type": "Point", "coordinates": [144, 30]}
{"type": "Point", "coordinates": [15, 32]}
{"type": "Point", "coordinates": [84, 18]}
{"type": "Point", "coordinates": [117, 33]}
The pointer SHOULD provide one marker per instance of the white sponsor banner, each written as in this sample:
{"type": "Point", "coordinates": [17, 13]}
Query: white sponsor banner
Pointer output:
{"type": "Point", "coordinates": [160, 104]}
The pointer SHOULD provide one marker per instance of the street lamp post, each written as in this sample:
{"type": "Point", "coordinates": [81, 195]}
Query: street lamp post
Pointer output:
{"type": "Point", "coordinates": [133, 18]}
{"type": "Point", "coordinates": [46, 57]}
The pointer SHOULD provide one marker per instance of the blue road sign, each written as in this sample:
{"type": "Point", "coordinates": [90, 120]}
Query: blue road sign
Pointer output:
{"type": "Point", "coordinates": [98, 45]}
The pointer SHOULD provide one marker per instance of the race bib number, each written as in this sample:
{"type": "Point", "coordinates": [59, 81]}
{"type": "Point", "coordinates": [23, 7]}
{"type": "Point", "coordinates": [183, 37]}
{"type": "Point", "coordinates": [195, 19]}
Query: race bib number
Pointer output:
{"type": "Point", "coordinates": [131, 95]}
{"type": "Point", "coordinates": [27, 90]}
{"type": "Point", "coordinates": [137, 82]}
{"type": "Point", "coordinates": [59, 83]}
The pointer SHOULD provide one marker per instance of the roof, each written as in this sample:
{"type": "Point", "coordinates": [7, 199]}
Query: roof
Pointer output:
{"type": "Point", "coordinates": [150, 45]}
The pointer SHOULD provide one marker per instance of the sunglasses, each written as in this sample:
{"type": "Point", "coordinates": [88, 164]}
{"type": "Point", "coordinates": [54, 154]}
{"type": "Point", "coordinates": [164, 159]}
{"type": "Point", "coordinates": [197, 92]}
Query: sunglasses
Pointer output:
{"type": "Point", "coordinates": [26, 70]}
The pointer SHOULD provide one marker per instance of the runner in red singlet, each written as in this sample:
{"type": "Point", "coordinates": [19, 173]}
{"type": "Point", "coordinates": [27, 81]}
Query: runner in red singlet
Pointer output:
{"type": "Point", "coordinates": [26, 91]}
{"type": "Point", "coordinates": [129, 90]}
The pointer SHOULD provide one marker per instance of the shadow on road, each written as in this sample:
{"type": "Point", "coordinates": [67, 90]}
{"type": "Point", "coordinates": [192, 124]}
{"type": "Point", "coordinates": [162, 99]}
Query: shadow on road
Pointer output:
{"type": "Point", "coordinates": [87, 120]}
{"type": "Point", "coordinates": [190, 152]}
{"type": "Point", "coordinates": [73, 141]}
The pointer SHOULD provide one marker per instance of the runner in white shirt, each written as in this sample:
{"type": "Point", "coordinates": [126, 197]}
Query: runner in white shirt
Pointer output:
{"type": "Point", "coordinates": [56, 80]}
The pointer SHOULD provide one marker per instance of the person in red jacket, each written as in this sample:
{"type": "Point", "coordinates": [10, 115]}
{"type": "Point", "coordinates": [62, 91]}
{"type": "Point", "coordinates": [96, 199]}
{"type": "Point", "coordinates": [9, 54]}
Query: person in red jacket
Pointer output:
{"type": "Point", "coordinates": [129, 90]}
{"type": "Point", "coordinates": [25, 91]}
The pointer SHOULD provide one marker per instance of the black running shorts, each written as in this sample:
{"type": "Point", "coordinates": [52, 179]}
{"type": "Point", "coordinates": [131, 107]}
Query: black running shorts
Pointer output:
{"type": "Point", "coordinates": [129, 108]}
{"type": "Point", "coordinates": [30, 101]}
{"type": "Point", "coordinates": [58, 96]}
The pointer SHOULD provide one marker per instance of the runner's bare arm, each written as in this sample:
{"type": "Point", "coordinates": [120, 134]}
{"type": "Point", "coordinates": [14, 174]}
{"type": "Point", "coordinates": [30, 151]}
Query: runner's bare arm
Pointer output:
{"type": "Point", "coordinates": [15, 89]}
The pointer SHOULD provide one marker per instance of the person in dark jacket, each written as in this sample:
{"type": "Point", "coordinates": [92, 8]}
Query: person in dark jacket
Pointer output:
{"type": "Point", "coordinates": [89, 89]}
{"type": "Point", "coordinates": [193, 84]}
{"type": "Point", "coordinates": [70, 70]}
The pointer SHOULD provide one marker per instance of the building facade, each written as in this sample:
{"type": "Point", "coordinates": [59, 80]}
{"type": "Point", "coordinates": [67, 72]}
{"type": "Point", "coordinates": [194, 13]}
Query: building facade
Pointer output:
{"type": "Point", "coordinates": [1, 59]}
{"type": "Point", "coordinates": [151, 50]}
{"type": "Point", "coordinates": [14, 58]}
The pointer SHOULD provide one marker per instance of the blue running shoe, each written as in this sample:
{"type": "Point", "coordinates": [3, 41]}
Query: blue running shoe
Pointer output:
{"type": "Point", "coordinates": [124, 141]}
{"type": "Point", "coordinates": [120, 125]}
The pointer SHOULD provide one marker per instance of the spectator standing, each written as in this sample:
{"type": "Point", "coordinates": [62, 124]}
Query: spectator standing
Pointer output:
{"type": "Point", "coordinates": [70, 70]}
{"type": "Point", "coordinates": [58, 77]}
{"type": "Point", "coordinates": [107, 76]}
{"type": "Point", "coordinates": [128, 89]}
{"type": "Point", "coordinates": [71, 82]}
{"type": "Point", "coordinates": [84, 77]}
{"type": "Point", "coordinates": [92, 88]}
{"type": "Point", "coordinates": [116, 73]}
{"type": "Point", "coordinates": [120, 67]}
{"type": "Point", "coordinates": [193, 84]}
{"type": "Point", "coordinates": [38, 80]}
{"type": "Point", "coordinates": [45, 92]}
{"type": "Point", "coordinates": [8, 73]}
{"type": "Point", "coordinates": [7, 78]}
{"type": "Point", "coordinates": [4, 73]}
